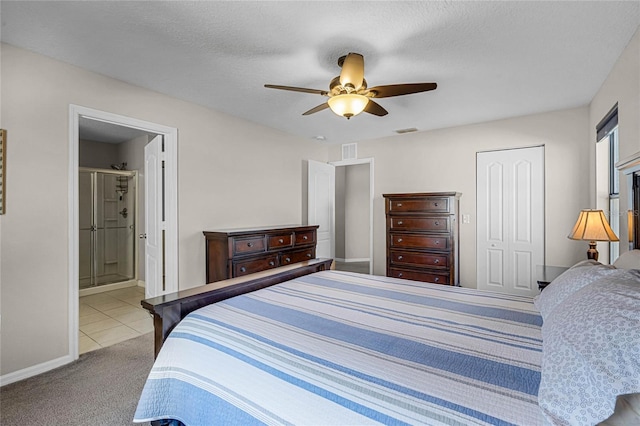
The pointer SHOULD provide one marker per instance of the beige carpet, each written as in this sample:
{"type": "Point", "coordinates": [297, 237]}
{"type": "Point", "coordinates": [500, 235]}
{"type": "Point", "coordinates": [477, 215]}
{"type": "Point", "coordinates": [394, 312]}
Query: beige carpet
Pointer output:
{"type": "Point", "coordinates": [100, 388]}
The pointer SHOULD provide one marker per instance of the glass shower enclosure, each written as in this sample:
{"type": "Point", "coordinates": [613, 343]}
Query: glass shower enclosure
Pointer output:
{"type": "Point", "coordinates": [107, 227]}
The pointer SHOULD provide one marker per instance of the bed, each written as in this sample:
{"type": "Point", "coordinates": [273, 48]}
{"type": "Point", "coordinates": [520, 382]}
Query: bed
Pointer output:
{"type": "Point", "coordinates": [332, 347]}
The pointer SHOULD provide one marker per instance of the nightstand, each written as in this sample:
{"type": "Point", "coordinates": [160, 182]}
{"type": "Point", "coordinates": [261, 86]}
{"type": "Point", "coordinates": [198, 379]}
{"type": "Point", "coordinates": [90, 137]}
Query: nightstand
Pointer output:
{"type": "Point", "coordinates": [545, 274]}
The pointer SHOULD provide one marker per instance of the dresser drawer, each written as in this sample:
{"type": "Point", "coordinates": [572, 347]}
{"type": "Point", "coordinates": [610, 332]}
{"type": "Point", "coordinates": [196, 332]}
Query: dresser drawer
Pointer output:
{"type": "Point", "coordinates": [248, 245]}
{"type": "Point", "coordinates": [430, 260]}
{"type": "Point", "coordinates": [280, 241]}
{"type": "Point", "coordinates": [297, 256]}
{"type": "Point", "coordinates": [422, 205]}
{"type": "Point", "coordinates": [303, 238]}
{"type": "Point", "coordinates": [424, 276]}
{"type": "Point", "coordinates": [254, 265]}
{"type": "Point", "coordinates": [418, 241]}
{"type": "Point", "coordinates": [236, 252]}
{"type": "Point", "coordinates": [436, 224]}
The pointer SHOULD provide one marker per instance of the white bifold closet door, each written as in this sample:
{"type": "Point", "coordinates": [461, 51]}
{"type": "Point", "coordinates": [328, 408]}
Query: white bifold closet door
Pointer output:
{"type": "Point", "coordinates": [510, 226]}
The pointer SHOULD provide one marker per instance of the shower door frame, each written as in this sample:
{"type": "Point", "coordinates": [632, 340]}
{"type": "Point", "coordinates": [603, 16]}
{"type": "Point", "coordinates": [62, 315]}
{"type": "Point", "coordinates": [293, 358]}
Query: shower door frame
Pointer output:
{"type": "Point", "coordinates": [117, 284]}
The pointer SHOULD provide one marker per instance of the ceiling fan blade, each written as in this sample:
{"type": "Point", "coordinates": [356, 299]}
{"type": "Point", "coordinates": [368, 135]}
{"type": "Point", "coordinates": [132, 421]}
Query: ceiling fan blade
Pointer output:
{"type": "Point", "coordinates": [375, 109]}
{"type": "Point", "coordinates": [352, 73]}
{"type": "Point", "coordinates": [401, 89]}
{"type": "Point", "coordinates": [316, 109]}
{"type": "Point", "coordinates": [297, 89]}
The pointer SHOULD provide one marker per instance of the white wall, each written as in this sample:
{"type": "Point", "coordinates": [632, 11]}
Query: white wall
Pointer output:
{"type": "Point", "coordinates": [444, 160]}
{"type": "Point", "coordinates": [352, 212]}
{"type": "Point", "coordinates": [622, 86]}
{"type": "Point", "coordinates": [99, 155]}
{"type": "Point", "coordinates": [230, 173]}
{"type": "Point", "coordinates": [356, 211]}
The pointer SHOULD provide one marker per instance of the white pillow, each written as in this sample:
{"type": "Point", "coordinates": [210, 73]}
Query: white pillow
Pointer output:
{"type": "Point", "coordinates": [628, 260]}
{"type": "Point", "coordinates": [591, 351]}
{"type": "Point", "coordinates": [579, 275]}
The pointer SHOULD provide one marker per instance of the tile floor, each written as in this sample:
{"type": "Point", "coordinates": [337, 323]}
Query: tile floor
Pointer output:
{"type": "Point", "coordinates": [112, 317]}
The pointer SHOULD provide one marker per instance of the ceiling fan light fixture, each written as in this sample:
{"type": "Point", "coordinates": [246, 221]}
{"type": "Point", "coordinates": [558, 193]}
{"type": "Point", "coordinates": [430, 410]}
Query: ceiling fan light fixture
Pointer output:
{"type": "Point", "coordinates": [348, 105]}
{"type": "Point", "coordinates": [352, 73]}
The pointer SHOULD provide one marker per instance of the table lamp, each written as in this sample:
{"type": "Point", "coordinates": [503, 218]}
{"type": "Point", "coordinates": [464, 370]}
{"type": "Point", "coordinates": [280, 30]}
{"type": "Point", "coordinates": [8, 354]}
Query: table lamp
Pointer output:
{"type": "Point", "coordinates": [592, 226]}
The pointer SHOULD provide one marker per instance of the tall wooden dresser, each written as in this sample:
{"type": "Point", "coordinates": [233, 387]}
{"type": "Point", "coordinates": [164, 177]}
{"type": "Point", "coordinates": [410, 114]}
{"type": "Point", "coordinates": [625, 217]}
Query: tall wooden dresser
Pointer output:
{"type": "Point", "coordinates": [233, 253]}
{"type": "Point", "coordinates": [422, 236]}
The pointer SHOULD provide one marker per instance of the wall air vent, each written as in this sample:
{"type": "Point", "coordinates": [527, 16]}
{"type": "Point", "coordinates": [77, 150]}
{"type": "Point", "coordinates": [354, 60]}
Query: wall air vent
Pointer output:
{"type": "Point", "coordinates": [408, 130]}
{"type": "Point", "coordinates": [349, 151]}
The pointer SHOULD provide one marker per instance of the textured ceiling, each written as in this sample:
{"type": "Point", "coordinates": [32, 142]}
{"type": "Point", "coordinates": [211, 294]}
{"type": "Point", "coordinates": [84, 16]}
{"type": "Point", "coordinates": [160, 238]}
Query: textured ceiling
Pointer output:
{"type": "Point", "coordinates": [491, 60]}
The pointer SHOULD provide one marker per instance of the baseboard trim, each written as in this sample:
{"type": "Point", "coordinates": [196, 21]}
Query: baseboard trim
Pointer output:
{"type": "Point", "coordinates": [354, 259]}
{"type": "Point", "coordinates": [141, 284]}
{"type": "Point", "coordinates": [107, 287]}
{"type": "Point", "coordinates": [25, 373]}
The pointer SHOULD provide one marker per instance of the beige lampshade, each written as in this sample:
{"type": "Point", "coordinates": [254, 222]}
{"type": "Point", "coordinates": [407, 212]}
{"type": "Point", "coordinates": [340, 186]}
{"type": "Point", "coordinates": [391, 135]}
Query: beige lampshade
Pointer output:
{"type": "Point", "coordinates": [348, 105]}
{"type": "Point", "coordinates": [592, 225]}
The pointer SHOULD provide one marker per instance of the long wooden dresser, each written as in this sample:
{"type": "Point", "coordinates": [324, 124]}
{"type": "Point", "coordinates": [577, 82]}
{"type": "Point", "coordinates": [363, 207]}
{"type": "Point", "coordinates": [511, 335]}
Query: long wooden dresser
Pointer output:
{"type": "Point", "coordinates": [422, 236]}
{"type": "Point", "coordinates": [233, 253]}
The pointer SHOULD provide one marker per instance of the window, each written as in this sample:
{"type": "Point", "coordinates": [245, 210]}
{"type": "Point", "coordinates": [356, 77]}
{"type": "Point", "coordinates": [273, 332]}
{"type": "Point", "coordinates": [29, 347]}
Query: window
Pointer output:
{"type": "Point", "coordinates": [614, 193]}
{"type": "Point", "coordinates": [607, 137]}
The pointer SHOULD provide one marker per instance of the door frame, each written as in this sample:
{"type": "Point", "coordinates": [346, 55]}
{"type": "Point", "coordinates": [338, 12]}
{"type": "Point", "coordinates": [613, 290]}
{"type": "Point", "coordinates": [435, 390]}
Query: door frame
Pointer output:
{"type": "Point", "coordinates": [354, 162]}
{"type": "Point", "coordinates": [170, 135]}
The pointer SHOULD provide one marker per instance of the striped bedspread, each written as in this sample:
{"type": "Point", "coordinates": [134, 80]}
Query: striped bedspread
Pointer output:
{"type": "Point", "coordinates": [337, 348]}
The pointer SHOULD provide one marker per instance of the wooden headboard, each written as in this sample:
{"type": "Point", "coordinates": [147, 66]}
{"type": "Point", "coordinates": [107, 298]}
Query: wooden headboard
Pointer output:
{"type": "Point", "coordinates": [169, 309]}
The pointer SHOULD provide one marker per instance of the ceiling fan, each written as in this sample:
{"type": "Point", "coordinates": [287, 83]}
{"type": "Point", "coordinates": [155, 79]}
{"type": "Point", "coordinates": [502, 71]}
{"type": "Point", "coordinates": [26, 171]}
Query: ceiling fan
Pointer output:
{"type": "Point", "coordinates": [348, 93]}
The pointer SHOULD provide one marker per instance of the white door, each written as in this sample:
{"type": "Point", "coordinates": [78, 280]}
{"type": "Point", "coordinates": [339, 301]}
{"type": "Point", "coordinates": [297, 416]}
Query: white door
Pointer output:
{"type": "Point", "coordinates": [154, 221]}
{"type": "Point", "coordinates": [510, 226]}
{"type": "Point", "coordinates": [321, 206]}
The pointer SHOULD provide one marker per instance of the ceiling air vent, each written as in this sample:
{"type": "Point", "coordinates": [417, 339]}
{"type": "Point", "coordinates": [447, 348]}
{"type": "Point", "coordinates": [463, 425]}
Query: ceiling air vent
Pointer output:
{"type": "Point", "coordinates": [408, 130]}
{"type": "Point", "coordinates": [349, 151]}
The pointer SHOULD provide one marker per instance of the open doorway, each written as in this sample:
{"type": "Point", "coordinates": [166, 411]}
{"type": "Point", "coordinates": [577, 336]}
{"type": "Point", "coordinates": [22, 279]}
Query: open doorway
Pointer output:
{"type": "Point", "coordinates": [111, 206]}
{"type": "Point", "coordinates": [353, 211]}
{"type": "Point", "coordinates": [345, 203]}
{"type": "Point", "coordinates": [109, 169]}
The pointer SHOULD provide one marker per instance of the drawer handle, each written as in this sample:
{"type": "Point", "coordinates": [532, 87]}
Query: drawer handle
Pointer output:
{"type": "Point", "coordinates": [399, 205]}
{"type": "Point", "coordinates": [436, 261]}
{"type": "Point", "coordinates": [400, 257]}
{"type": "Point", "coordinates": [437, 242]}
{"type": "Point", "coordinates": [243, 269]}
{"type": "Point", "coordinates": [305, 237]}
{"type": "Point", "coordinates": [308, 254]}
{"type": "Point", "coordinates": [399, 222]}
{"type": "Point", "coordinates": [399, 240]}
{"type": "Point", "coordinates": [399, 274]}
{"type": "Point", "coordinates": [249, 244]}
{"type": "Point", "coordinates": [281, 241]}
{"type": "Point", "coordinates": [287, 259]}
{"type": "Point", "coordinates": [272, 263]}
{"type": "Point", "coordinates": [436, 223]}
{"type": "Point", "coordinates": [435, 204]}
{"type": "Point", "coordinates": [436, 279]}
